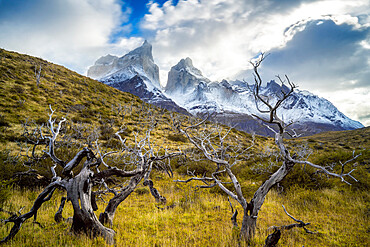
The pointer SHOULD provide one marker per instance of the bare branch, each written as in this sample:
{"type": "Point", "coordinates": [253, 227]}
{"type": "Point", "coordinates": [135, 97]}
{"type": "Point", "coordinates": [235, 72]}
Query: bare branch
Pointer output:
{"type": "Point", "coordinates": [300, 224]}
{"type": "Point", "coordinates": [342, 175]}
{"type": "Point", "coordinates": [44, 196]}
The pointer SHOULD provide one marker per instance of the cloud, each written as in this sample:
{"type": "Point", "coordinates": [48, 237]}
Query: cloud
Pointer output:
{"type": "Point", "coordinates": [324, 55]}
{"type": "Point", "coordinates": [221, 36]}
{"type": "Point", "coordinates": [322, 45]}
{"type": "Point", "coordinates": [70, 32]}
{"type": "Point", "coordinates": [354, 103]}
{"type": "Point", "coordinates": [330, 60]}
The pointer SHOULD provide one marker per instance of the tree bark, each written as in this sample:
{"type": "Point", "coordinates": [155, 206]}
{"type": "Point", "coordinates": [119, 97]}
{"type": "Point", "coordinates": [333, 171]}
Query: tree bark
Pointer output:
{"type": "Point", "coordinates": [84, 219]}
{"type": "Point", "coordinates": [251, 212]}
{"type": "Point", "coordinates": [248, 226]}
{"type": "Point", "coordinates": [58, 217]}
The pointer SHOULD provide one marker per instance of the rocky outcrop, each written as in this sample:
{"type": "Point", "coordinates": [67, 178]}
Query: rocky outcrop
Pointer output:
{"type": "Point", "coordinates": [183, 77]}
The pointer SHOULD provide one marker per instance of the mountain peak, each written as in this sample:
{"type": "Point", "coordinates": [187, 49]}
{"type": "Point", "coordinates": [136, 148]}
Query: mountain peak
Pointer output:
{"type": "Point", "coordinates": [275, 88]}
{"type": "Point", "coordinates": [145, 50]}
{"type": "Point", "coordinates": [139, 61]}
{"type": "Point", "coordinates": [187, 62]}
{"type": "Point", "coordinates": [184, 76]}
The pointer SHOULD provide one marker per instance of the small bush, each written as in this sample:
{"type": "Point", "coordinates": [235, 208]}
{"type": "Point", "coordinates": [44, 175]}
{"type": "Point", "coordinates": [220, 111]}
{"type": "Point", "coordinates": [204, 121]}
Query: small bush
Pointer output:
{"type": "Point", "coordinates": [142, 191]}
{"type": "Point", "coordinates": [3, 122]}
{"type": "Point", "coordinates": [5, 192]}
{"type": "Point", "coordinates": [112, 143]}
{"type": "Point", "coordinates": [41, 120]}
{"type": "Point", "coordinates": [106, 132]}
{"type": "Point", "coordinates": [198, 167]}
{"type": "Point", "coordinates": [177, 138]}
{"type": "Point", "coordinates": [17, 89]}
{"type": "Point", "coordinates": [307, 178]}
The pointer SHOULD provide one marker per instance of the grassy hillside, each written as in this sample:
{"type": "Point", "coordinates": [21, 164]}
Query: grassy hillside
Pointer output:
{"type": "Point", "coordinates": [338, 212]}
{"type": "Point", "coordinates": [76, 97]}
{"type": "Point", "coordinates": [79, 98]}
{"type": "Point", "coordinates": [350, 139]}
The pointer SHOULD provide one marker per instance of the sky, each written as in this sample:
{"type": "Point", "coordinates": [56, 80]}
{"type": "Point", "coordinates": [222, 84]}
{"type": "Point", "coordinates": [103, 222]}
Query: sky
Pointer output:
{"type": "Point", "coordinates": [323, 46]}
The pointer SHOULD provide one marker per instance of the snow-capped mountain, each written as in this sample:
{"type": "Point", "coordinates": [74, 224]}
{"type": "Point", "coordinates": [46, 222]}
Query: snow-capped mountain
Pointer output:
{"type": "Point", "coordinates": [234, 103]}
{"type": "Point", "coordinates": [135, 73]}
{"type": "Point", "coordinates": [188, 91]}
{"type": "Point", "coordinates": [137, 62]}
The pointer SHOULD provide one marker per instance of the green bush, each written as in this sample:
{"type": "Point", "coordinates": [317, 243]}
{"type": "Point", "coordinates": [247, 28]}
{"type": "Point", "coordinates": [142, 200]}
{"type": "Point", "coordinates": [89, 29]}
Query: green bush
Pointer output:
{"type": "Point", "coordinates": [177, 138]}
{"type": "Point", "coordinates": [17, 89]}
{"type": "Point", "coordinates": [306, 177]}
{"type": "Point", "coordinates": [198, 167]}
{"type": "Point", "coordinates": [5, 192]}
{"type": "Point", "coordinates": [141, 190]}
{"type": "Point", "coordinates": [106, 132]}
{"type": "Point", "coordinates": [3, 122]}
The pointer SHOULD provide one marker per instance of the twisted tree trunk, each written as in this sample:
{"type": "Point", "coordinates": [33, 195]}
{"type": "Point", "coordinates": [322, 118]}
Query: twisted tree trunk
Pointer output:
{"type": "Point", "coordinates": [251, 212]}
{"type": "Point", "coordinates": [107, 216]}
{"type": "Point", "coordinates": [84, 219]}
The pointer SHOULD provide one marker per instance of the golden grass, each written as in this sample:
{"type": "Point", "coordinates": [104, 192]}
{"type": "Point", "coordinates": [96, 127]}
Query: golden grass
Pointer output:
{"type": "Point", "coordinates": [201, 218]}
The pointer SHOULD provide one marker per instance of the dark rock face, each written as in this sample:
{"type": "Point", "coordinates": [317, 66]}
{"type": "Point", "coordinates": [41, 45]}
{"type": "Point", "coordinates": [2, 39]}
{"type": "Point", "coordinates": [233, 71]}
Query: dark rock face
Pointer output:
{"type": "Point", "coordinates": [137, 87]}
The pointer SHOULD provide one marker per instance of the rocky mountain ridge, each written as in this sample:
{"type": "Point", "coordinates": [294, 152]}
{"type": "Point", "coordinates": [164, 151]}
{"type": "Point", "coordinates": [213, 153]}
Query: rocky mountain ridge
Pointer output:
{"type": "Point", "coordinates": [230, 102]}
{"type": "Point", "coordinates": [135, 73]}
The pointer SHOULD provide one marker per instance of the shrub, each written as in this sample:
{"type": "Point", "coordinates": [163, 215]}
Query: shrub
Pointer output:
{"type": "Point", "coordinates": [5, 192]}
{"type": "Point", "coordinates": [198, 167]}
{"type": "Point", "coordinates": [17, 89]}
{"type": "Point", "coordinates": [106, 132]}
{"type": "Point", "coordinates": [142, 190]}
{"type": "Point", "coordinates": [177, 138]}
{"type": "Point", "coordinates": [307, 178]}
{"type": "Point", "coordinates": [3, 122]}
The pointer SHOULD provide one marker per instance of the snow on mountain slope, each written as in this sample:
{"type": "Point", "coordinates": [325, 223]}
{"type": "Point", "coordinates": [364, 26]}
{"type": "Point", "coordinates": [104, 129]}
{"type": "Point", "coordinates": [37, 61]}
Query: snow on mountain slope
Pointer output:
{"type": "Point", "coordinates": [110, 69]}
{"type": "Point", "coordinates": [183, 77]}
{"type": "Point", "coordinates": [201, 95]}
{"type": "Point", "coordinates": [187, 90]}
{"type": "Point", "coordinates": [135, 73]}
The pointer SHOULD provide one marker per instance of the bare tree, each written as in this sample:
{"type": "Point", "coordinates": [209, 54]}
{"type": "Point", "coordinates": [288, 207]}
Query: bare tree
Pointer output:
{"type": "Point", "coordinates": [38, 74]}
{"type": "Point", "coordinates": [134, 161]}
{"type": "Point", "coordinates": [213, 145]}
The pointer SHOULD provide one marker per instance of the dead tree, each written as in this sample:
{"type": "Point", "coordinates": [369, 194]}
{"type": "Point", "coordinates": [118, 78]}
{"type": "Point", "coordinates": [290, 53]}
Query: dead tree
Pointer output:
{"type": "Point", "coordinates": [274, 237]}
{"type": "Point", "coordinates": [140, 154]}
{"type": "Point", "coordinates": [214, 147]}
{"type": "Point", "coordinates": [134, 161]}
{"type": "Point", "coordinates": [38, 75]}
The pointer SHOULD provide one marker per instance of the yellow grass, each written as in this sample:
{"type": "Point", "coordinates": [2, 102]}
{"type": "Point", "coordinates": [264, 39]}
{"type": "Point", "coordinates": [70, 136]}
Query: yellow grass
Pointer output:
{"type": "Point", "coordinates": [201, 218]}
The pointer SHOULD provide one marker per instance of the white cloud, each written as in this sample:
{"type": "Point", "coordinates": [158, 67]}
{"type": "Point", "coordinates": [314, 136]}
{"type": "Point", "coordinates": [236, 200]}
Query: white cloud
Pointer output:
{"type": "Point", "coordinates": [69, 32]}
{"type": "Point", "coordinates": [354, 103]}
{"type": "Point", "coordinates": [221, 36]}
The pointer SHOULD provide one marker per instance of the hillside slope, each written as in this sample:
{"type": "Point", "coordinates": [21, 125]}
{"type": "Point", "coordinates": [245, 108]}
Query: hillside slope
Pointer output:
{"type": "Point", "coordinates": [78, 98]}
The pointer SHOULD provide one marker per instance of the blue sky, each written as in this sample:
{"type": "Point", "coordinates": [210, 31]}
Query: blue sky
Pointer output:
{"type": "Point", "coordinates": [323, 45]}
